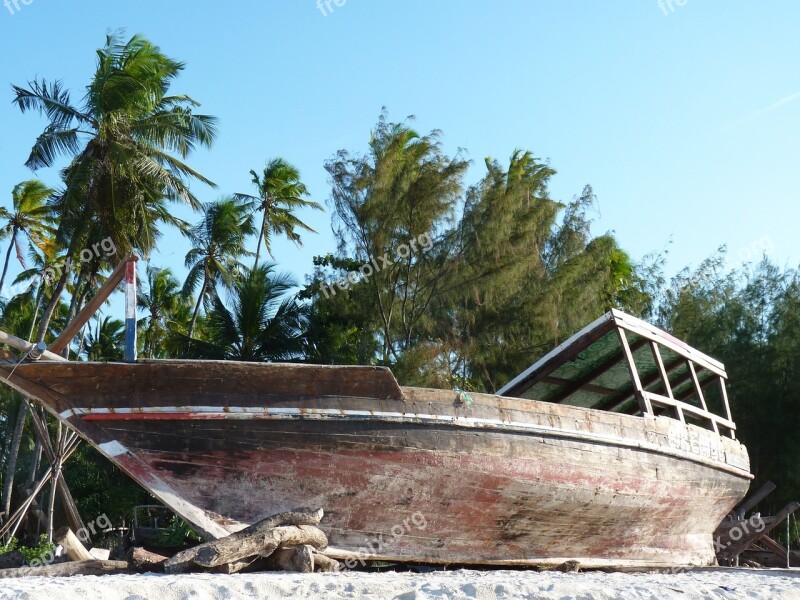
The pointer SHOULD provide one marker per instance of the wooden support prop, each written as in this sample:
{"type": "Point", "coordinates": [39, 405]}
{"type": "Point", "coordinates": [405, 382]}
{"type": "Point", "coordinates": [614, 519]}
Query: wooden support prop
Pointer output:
{"type": "Point", "coordinates": [751, 502]}
{"type": "Point", "coordinates": [184, 561]}
{"type": "Point", "coordinates": [68, 569]}
{"type": "Point", "coordinates": [142, 561]}
{"type": "Point", "coordinates": [23, 346]}
{"type": "Point", "coordinates": [737, 547]}
{"type": "Point", "coordinates": [72, 545]}
{"type": "Point", "coordinates": [69, 333]}
{"type": "Point", "coordinates": [263, 544]}
{"type": "Point", "coordinates": [778, 551]}
{"type": "Point", "coordinates": [40, 428]}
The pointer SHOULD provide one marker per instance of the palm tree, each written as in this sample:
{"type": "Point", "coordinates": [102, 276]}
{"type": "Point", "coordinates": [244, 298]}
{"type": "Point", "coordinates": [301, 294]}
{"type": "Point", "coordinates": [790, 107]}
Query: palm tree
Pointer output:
{"type": "Point", "coordinates": [219, 242]}
{"type": "Point", "coordinates": [165, 305]}
{"type": "Point", "coordinates": [280, 193]}
{"type": "Point", "coordinates": [262, 323]}
{"type": "Point", "coordinates": [128, 142]}
{"type": "Point", "coordinates": [31, 218]}
{"type": "Point", "coordinates": [107, 341]}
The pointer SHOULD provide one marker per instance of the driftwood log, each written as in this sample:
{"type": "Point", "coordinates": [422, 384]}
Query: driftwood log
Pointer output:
{"type": "Point", "coordinates": [73, 547]}
{"type": "Point", "coordinates": [256, 539]}
{"type": "Point", "coordinates": [143, 561]}
{"type": "Point", "coordinates": [297, 560]}
{"type": "Point", "coordinates": [226, 551]}
{"type": "Point", "coordinates": [325, 564]}
{"type": "Point", "coordinates": [67, 569]}
{"type": "Point", "coordinates": [238, 566]}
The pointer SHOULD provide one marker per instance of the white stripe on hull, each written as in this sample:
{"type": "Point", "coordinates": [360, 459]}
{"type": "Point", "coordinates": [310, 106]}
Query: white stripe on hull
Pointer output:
{"type": "Point", "coordinates": [275, 413]}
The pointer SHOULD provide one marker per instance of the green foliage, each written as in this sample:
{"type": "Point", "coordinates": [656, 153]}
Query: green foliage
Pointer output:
{"type": "Point", "coordinates": [748, 318]}
{"type": "Point", "coordinates": [101, 488]}
{"type": "Point", "coordinates": [218, 245]}
{"type": "Point", "coordinates": [280, 195]}
{"type": "Point", "coordinates": [38, 552]}
{"type": "Point", "coordinates": [177, 533]}
{"type": "Point", "coordinates": [515, 275]}
{"type": "Point", "coordinates": [259, 322]}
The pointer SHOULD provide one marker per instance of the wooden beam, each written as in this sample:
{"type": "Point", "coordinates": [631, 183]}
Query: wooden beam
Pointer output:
{"type": "Point", "coordinates": [614, 403]}
{"type": "Point", "coordinates": [698, 388]}
{"type": "Point", "coordinates": [736, 548]}
{"type": "Point", "coordinates": [24, 346]}
{"type": "Point", "coordinates": [73, 328]}
{"type": "Point", "coordinates": [71, 544]}
{"type": "Point", "coordinates": [724, 393]}
{"type": "Point", "coordinates": [559, 355]}
{"type": "Point", "coordinates": [680, 348]}
{"type": "Point", "coordinates": [595, 373]}
{"type": "Point", "coordinates": [690, 409]}
{"type": "Point", "coordinates": [750, 503]}
{"type": "Point", "coordinates": [662, 371]}
{"type": "Point", "coordinates": [68, 569]}
{"type": "Point", "coordinates": [644, 403]}
{"type": "Point", "coordinates": [778, 550]}
{"type": "Point", "coordinates": [587, 387]}
{"type": "Point", "coordinates": [71, 509]}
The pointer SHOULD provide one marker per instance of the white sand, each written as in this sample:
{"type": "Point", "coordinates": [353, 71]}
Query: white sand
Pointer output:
{"type": "Point", "coordinates": [770, 585]}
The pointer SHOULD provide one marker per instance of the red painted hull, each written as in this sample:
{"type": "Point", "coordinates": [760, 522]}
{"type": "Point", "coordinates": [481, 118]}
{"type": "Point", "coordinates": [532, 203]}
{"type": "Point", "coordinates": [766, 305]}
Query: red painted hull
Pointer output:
{"type": "Point", "coordinates": [417, 475]}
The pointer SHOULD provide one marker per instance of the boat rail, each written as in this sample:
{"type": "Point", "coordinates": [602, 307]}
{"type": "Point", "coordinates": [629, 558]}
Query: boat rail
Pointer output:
{"type": "Point", "coordinates": [622, 364]}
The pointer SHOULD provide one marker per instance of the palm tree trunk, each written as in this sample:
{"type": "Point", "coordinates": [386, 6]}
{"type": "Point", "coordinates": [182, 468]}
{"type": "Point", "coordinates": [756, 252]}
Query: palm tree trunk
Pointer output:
{"type": "Point", "coordinates": [8, 257]}
{"type": "Point", "coordinates": [35, 462]}
{"type": "Point", "coordinates": [78, 296]}
{"type": "Point", "coordinates": [13, 454]}
{"type": "Point", "coordinates": [47, 315]}
{"type": "Point", "coordinates": [197, 307]}
{"type": "Point", "coordinates": [260, 239]}
{"type": "Point", "coordinates": [39, 295]}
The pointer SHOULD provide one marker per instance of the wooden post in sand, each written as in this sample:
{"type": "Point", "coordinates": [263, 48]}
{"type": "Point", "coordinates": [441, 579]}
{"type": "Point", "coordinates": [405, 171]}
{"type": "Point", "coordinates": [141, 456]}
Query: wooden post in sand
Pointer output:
{"type": "Point", "coordinates": [72, 545]}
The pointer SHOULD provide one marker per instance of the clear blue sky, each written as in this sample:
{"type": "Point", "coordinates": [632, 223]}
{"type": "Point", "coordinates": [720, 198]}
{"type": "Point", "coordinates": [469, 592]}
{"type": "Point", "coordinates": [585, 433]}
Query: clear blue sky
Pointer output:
{"type": "Point", "coordinates": [685, 123]}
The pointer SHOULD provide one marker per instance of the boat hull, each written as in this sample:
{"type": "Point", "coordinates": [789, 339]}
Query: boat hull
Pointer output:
{"type": "Point", "coordinates": [404, 473]}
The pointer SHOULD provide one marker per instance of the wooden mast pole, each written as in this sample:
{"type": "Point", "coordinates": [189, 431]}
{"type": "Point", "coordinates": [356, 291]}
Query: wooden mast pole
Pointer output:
{"type": "Point", "coordinates": [130, 311]}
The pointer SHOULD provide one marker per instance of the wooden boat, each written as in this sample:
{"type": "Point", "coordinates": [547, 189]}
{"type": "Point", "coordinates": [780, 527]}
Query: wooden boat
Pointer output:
{"type": "Point", "coordinates": [617, 448]}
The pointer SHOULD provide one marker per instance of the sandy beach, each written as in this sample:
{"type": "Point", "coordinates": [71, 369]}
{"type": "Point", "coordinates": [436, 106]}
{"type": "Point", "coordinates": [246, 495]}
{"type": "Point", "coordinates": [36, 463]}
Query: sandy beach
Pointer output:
{"type": "Point", "coordinates": [714, 583]}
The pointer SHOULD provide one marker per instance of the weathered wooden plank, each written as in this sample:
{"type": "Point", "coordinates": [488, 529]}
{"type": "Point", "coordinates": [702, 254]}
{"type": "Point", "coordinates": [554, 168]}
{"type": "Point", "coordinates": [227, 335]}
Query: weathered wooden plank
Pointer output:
{"type": "Point", "coordinates": [71, 544]}
{"type": "Point", "coordinates": [749, 538]}
{"type": "Point", "coordinates": [68, 569]}
{"type": "Point", "coordinates": [143, 561]}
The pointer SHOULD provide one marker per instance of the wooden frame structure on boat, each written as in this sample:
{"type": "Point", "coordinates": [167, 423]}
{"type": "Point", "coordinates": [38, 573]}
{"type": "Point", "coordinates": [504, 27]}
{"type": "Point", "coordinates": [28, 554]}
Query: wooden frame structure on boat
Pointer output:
{"type": "Point", "coordinates": [653, 386]}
